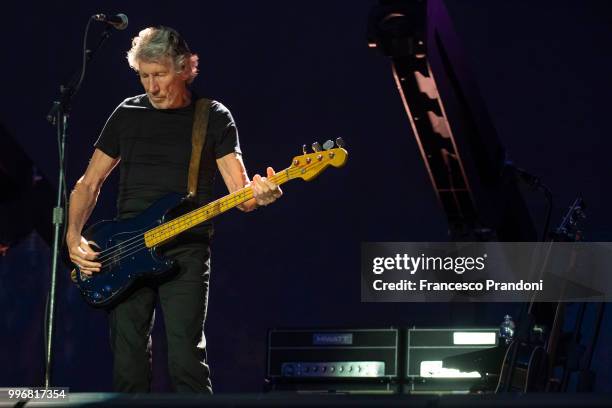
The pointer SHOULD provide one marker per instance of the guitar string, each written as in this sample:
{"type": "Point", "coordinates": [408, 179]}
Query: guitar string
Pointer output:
{"type": "Point", "coordinates": [190, 214]}
{"type": "Point", "coordinates": [169, 228]}
{"type": "Point", "coordinates": [139, 244]}
{"type": "Point", "coordinates": [136, 246]}
{"type": "Point", "coordinates": [125, 255]}
{"type": "Point", "coordinates": [111, 251]}
{"type": "Point", "coordinates": [139, 241]}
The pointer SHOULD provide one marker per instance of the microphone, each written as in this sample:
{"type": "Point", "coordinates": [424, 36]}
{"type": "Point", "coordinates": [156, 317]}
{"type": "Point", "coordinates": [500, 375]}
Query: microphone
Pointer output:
{"type": "Point", "coordinates": [119, 21]}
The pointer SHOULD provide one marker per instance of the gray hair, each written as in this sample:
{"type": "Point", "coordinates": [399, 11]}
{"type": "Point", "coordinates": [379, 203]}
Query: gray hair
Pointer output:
{"type": "Point", "coordinates": [155, 44]}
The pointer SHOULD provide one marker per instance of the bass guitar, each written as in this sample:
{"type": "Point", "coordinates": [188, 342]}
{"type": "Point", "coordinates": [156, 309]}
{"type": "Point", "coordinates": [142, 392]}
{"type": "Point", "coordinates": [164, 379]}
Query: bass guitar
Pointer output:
{"type": "Point", "coordinates": [129, 249]}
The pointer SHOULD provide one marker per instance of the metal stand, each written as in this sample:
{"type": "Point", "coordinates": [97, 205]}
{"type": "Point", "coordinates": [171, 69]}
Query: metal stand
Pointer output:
{"type": "Point", "coordinates": [58, 116]}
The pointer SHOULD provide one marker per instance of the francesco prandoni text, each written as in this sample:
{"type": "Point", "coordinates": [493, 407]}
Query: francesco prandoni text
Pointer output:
{"type": "Point", "coordinates": [458, 265]}
{"type": "Point", "coordinates": [489, 284]}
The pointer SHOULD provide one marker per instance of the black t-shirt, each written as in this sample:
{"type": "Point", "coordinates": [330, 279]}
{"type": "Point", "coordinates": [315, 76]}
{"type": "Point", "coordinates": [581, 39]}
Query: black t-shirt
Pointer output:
{"type": "Point", "coordinates": [155, 149]}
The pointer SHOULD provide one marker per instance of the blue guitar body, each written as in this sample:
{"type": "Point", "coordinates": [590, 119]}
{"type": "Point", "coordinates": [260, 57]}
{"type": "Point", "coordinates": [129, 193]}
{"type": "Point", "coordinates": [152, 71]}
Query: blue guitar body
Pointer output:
{"type": "Point", "coordinates": [123, 254]}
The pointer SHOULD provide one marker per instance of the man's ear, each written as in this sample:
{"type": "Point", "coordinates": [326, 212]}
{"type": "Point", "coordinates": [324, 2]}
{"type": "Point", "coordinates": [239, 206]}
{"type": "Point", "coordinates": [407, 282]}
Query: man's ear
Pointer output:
{"type": "Point", "coordinates": [185, 71]}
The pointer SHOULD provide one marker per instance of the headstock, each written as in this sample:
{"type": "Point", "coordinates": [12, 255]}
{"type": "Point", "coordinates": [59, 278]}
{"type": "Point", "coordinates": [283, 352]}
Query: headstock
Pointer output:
{"type": "Point", "coordinates": [569, 230]}
{"type": "Point", "coordinates": [309, 165]}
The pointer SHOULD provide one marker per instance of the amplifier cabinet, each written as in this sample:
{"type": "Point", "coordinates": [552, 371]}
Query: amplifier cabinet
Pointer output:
{"type": "Point", "coordinates": [426, 348]}
{"type": "Point", "coordinates": [304, 355]}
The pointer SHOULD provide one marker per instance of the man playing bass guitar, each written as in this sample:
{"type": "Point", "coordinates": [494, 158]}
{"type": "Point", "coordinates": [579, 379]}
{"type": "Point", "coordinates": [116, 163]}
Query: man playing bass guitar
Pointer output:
{"type": "Point", "coordinates": [150, 137]}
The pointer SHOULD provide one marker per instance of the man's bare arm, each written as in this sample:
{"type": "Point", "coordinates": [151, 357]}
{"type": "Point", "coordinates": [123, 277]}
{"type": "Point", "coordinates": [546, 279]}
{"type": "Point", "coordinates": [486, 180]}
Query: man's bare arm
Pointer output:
{"type": "Point", "coordinates": [235, 177]}
{"type": "Point", "coordinates": [82, 202]}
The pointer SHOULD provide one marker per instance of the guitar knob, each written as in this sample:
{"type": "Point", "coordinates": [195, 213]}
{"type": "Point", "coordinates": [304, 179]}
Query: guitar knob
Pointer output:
{"type": "Point", "coordinates": [340, 142]}
{"type": "Point", "coordinates": [328, 145]}
{"type": "Point", "coordinates": [316, 147]}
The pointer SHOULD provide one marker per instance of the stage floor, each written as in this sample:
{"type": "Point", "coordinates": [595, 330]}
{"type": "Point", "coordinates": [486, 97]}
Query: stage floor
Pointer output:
{"type": "Point", "coordinates": [281, 399]}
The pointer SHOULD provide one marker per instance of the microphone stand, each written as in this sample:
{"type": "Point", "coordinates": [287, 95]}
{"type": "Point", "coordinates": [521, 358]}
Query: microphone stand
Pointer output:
{"type": "Point", "coordinates": [58, 116]}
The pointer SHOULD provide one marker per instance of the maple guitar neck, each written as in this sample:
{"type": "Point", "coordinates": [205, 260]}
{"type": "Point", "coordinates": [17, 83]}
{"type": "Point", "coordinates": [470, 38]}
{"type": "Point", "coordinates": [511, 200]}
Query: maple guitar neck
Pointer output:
{"type": "Point", "coordinates": [170, 229]}
{"type": "Point", "coordinates": [306, 167]}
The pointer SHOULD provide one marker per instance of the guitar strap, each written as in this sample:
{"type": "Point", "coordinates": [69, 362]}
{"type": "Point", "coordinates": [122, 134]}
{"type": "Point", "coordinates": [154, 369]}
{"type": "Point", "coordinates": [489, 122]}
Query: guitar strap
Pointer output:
{"type": "Point", "coordinates": [198, 138]}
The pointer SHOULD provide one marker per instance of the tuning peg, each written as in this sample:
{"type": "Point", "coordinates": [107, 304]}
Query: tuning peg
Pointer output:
{"type": "Point", "coordinates": [316, 147]}
{"type": "Point", "coordinates": [304, 149]}
{"type": "Point", "coordinates": [328, 145]}
{"type": "Point", "coordinates": [340, 142]}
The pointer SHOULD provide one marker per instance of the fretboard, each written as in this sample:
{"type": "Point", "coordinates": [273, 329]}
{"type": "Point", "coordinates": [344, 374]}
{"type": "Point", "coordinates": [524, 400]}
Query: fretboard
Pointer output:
{"type": "Point", "coordinates": [172, 228]}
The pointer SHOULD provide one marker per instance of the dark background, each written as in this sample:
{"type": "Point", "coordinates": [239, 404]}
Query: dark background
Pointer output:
{"type": "Point", "coordinates": [294, 73]}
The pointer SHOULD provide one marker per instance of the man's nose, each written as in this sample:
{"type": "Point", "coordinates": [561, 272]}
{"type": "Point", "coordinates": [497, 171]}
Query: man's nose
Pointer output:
{"type": "Point", "coordinates": [153, 86]}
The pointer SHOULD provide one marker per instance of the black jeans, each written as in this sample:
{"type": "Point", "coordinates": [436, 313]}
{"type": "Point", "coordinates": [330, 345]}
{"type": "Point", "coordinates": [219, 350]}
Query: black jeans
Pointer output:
{"type": "Point", "coordinates": [183, 296]}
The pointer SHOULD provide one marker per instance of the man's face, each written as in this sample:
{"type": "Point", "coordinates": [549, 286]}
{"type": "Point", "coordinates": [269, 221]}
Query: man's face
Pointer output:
{"type": "Point", "coordinates": [165, 87]}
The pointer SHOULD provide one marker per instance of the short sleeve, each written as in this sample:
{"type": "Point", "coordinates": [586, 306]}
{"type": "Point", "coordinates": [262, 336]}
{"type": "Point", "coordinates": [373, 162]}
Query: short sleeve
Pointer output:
{"type": "Point", "coordinates": [108, 141]}
{"type": "Point", "coordinates": [222, 128]}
